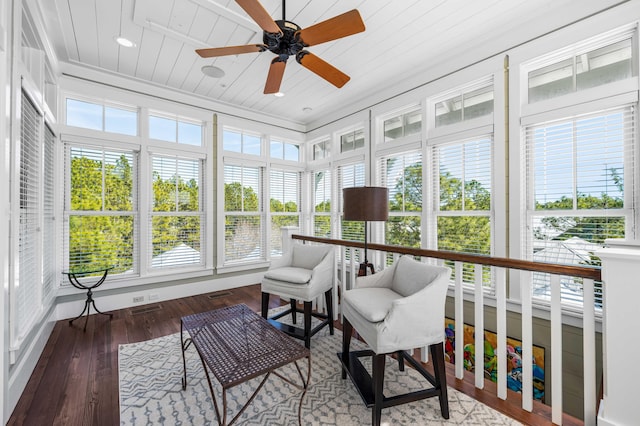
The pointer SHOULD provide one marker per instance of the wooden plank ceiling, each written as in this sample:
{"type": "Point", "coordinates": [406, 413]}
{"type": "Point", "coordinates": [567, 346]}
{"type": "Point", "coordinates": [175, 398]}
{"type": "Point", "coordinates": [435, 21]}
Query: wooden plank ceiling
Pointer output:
{"type": "Point", "coordinates": [402, 39]}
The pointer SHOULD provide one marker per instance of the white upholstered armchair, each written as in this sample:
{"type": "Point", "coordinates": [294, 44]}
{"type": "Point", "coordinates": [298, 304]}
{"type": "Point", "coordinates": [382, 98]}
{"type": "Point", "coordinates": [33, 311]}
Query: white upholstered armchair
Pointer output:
{"type": "Point", "coordinates": [303, 273]}
{"type": "Point", "coordinates": [398, 309]}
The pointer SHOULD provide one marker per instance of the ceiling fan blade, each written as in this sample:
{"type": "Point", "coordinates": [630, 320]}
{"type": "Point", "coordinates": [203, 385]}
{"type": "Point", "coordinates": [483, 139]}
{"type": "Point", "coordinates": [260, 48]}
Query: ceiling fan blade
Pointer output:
{"type": "Point", "coordinates": [259, 14]}
{"type": "Point", "coordinates": [276, 71]}
{"type": "Point", "coordinates": [230, 50]}
{"type": "Point", "coordinates": [324, 69]}
{"type": "Point", "coordinates": [337, 27]}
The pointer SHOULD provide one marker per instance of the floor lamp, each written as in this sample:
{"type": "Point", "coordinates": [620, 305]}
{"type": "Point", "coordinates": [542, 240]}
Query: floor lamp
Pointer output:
{"type": "Point", "coordinates": [365, 203]}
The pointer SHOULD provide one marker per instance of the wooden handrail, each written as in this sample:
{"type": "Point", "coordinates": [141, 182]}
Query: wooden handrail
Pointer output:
{"type": "Point", "coordinates": [502, 262]}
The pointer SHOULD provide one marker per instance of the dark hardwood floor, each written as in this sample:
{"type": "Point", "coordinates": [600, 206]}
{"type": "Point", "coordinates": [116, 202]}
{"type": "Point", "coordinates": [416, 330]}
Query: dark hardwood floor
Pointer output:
{"type": "Point", "coordinates": [76, 379]}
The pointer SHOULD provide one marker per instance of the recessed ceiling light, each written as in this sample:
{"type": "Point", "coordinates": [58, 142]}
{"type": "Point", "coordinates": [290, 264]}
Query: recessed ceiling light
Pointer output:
{"type": "Point", "coordinates": [212, 71]}
{"type": "Point", "coordinates": [278, 94]}
{"type": "Point", "coordinates": [124, 42]}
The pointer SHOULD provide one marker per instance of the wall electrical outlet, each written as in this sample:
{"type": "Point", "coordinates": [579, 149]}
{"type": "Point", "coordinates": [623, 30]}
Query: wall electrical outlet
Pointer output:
{"type": "Point", "coordinates": [138, 299]}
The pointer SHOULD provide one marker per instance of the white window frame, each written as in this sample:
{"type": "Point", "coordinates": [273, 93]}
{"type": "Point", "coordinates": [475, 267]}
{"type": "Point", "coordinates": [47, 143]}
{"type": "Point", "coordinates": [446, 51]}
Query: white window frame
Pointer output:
{"type": "Point", "coordinates": [264, 162]}
{"type": "Point", "coordinates": [116, 97]}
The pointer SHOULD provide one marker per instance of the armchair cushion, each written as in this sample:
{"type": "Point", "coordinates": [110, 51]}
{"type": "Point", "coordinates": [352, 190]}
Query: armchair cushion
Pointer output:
{"type": "Point", "coordinates": [289, 274]}
{"type": "Point", "coordinates": [411, 276]}
{"type": "Point", "coordinates": [307, 256]}
{"type": "Point", "coordinates": [372, 303]}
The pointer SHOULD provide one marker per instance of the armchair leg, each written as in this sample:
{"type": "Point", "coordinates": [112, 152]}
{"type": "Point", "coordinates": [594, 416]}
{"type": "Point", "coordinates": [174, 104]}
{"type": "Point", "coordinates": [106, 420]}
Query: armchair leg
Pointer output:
{"type": "Point", "coordinates": [400, 356]}
{"type": "Point", "coordinates": [293, 303]}
{"type": "Point", "coordinates": [437, 356]}
{"type": "Point", "coordinates": [307, 324]}
{"type": "Point", "coordinates": [328, 295]}
{"type": "Point", "coordinates": [347, 329]}
{"type": "Point", "coordinates": [265, 304]}
{"type": "Point", "coordinates": [378, 382]}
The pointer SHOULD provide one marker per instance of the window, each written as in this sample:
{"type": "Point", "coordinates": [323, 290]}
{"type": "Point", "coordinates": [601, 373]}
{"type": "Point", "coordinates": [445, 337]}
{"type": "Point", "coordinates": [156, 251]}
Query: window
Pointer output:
{"type": "Point", "coordinates": [263, 192]}
{"type": "Point", "coordinates": [177, 218]}
{"type": "Point", "coordinates": [403, 125]}
{"type": "Point", "coordinates": [173, 130]}
{"type": "Point", "coordinates": [579, 181]}
{"type": "Point", "coordinates": [89, 115]}
{"type": "Point", "coordinates": [462, 173]}
{"type": "Point", "coordinates": [321, 150]}
{"type": "Point", "coordinates": [402, 174]}
{"type": "Point", "coordinates": [352, 141]}
{"type": "Point", "coordinates": [101, 225]}
{"type": "Point", "coordinates": [349, 176]}
{"type": "Point", "coordinates": [243, 230]}
{"type": "Point", "coordinates": [470, 104]}
{"type": "Point", "coordinates": [322, 203]}
{"type": "Point", "coordinates": [284, 204]}
{"type": "Point", "coordinates": [285, 150]}
{"type": "Point", "coordinates": [584, 68]}
{"type": "Point", "coordinates": [237, 141]}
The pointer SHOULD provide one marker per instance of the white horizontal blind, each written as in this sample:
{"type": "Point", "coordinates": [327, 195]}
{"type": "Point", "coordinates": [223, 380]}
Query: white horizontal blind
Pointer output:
{"type": "Point", "coordinates": [28, 289]}
{"type": "Point", "coordinates": [462, 171]}
{"type": "Point", "coordinates": [244, 229]}
{"type": "Point", "coordinates": [101, 218]}
{"type": "Point", "coordinates": [322, 203]}
{"type": "Point", "coordinates": [177, 218]}
{"type": "Point", "coordinates": [580, 191]}
{"type": "Point", "coordinates": [402, 174]}
{"type": "Point", "coordinates": [48, 228]}
{"type": "Point", "coordinates": [284, 187]}
{"type": "Point", "coordinates": [349, 176]}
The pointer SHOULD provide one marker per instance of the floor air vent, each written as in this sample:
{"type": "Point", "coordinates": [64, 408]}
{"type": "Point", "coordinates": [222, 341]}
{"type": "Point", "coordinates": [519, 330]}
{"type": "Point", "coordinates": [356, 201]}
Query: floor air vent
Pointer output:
{"type": "Point", "coordinates": [219, 294]}
{"type": "Point", "coordinates": [145, 309]}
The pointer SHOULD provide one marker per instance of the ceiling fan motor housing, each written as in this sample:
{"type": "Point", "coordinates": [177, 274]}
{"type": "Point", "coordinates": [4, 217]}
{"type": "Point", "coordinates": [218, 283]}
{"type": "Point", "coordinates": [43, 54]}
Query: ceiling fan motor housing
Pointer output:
{"type": "Point", "coordinates": [285, 44]}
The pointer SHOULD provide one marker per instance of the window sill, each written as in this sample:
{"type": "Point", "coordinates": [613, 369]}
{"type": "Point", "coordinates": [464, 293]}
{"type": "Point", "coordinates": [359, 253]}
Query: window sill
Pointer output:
{"type": "Point", "coordinates": [242, 267]}
{"type": "Point", "coordinates": [119, 282]}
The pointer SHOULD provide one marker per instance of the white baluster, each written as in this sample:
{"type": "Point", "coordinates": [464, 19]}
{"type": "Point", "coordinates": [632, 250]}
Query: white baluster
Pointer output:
{"type": "Point", "coordinates": [479, 327]}
{"type": "Point", "coordinates": [527, 342]}
{"type": "Point", "coordinates": [459, 325]}
{"type": "Point", "coordinates": [556, 350]}
{"type": "Point", "coordinates": [589, 352]}
{"type": "Point", "coordinates": [501, 325]}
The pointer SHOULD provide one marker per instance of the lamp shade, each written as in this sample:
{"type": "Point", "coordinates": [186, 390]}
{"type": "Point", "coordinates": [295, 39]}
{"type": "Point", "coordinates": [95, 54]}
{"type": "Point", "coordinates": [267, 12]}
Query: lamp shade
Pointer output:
{"type": "Point", "coordinates": [366, 203]}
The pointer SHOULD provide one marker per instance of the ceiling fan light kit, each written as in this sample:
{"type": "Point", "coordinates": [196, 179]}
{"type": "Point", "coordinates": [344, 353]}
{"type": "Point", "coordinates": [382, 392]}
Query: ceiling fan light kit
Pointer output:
{"type": "Point", "coordinates": [285, 39]}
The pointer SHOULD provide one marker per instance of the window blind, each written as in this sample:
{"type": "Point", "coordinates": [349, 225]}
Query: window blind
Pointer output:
{"type": "Point", "coordinates": [177, 219]}
{"type": "Point", "coordinates": [402, 174]}
{"type": "Point", "coordinates": [48, 228]}
{"type": "Point", "coordinates": [462, 173]}
{"type": "Point", "coordinates": [284, 188]}
{"type": "Point", "coordinates": [322, 203]}
{"type": "Point", "coordinates": [244, 229]}
{"type": "Point", "coordinates": [101, 226]}
{"type": "Point", "coordinates": [350, 175]}
{"type": "Point", "coordinates": [28, 290]}
{"type": "Point", "coordinates": [580, 184]}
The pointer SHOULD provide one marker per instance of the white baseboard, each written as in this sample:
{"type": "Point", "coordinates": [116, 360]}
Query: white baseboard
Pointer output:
{"type": "Point", "coordinates": [21, 372]}
{"type": "Point", "coordinates": [150, 294]}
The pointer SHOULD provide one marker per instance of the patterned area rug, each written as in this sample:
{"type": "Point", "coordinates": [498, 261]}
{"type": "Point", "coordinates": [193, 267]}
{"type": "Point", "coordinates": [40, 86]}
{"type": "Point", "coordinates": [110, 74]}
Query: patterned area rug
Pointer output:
{"type": "Point", "coordinates": [150, 376]}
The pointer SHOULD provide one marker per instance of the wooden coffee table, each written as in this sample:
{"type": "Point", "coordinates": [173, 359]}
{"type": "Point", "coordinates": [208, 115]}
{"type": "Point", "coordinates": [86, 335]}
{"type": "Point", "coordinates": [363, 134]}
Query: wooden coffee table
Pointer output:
{"type": "Point", "coordinates": [236, 345]}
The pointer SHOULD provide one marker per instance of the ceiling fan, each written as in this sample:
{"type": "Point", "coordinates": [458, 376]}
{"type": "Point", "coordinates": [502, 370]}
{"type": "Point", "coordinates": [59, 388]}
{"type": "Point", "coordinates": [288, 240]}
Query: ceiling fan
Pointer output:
{"type": "Point", "coordinates": [284, 38]}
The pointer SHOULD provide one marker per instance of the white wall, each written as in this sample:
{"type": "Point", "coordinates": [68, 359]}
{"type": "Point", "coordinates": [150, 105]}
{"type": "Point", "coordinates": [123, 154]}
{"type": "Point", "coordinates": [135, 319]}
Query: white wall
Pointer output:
{"type": "Point", "coordinates": [5, 80]}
